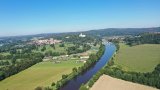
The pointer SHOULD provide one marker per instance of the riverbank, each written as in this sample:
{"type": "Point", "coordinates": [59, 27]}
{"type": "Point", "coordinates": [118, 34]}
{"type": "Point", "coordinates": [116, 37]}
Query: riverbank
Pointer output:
{"type": "Point", "coordinates": [106, 82]}
{"type": "Point", "coordinates": [98, 63]}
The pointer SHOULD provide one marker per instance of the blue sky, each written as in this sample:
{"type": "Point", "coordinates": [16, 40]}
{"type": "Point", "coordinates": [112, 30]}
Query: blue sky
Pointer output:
{"type": "Point", "coordinates": [22, 17]}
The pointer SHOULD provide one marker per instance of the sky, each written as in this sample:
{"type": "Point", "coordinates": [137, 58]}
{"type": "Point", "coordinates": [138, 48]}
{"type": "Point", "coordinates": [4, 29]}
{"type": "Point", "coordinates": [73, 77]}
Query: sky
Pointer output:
{"type": "Point", "coordinates": [24, 17]}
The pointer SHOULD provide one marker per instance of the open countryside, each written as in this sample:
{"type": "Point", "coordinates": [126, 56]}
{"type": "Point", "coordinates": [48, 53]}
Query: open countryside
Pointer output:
{"type": "Point", "coordinates": [106, 82]}
{"type": "Point", "coordinates": [41, 74]}
{"type": "Point", "coordinates": [79, 44]}
{"type": "Point", "coordinates": [48, 71]}
{"type": "Point", "coordinates": [136, 60]}
{"type": "Point", "coordinates": [139, 58]}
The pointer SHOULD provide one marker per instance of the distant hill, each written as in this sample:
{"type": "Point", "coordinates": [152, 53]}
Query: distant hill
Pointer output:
{"type": "Point", "coordinates": [97, 33]}
{"type": "Point", "coordinates": [121, 31]}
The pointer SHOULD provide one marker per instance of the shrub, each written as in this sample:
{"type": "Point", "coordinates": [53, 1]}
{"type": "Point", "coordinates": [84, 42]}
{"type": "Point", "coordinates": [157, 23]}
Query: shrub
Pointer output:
{"type": "Point", "coordinates": [53, 84]}
{"type": "Point", "coordinates": [38, 88]}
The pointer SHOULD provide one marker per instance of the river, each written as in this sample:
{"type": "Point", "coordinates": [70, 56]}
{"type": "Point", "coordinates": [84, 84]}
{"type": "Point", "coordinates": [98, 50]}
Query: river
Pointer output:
{"type": "Point", "coordinates": [75, 83]}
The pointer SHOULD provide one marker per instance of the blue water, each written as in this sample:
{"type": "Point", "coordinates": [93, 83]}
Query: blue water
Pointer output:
{"type": "Point", "coordinates": [75, 83]}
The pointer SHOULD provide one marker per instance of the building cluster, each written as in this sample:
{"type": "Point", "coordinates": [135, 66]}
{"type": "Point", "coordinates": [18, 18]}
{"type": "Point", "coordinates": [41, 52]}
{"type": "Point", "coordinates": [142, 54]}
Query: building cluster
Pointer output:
{"type": "Point", "coordinates": [46, 41]}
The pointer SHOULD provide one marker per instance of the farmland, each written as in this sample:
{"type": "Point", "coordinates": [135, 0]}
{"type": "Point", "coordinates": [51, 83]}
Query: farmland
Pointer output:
{"type": "Point", "coordinates": [41, 74]}
{"type": "Point", "coordinates": [139, 58]}
{"type": "Point", "coordinates": [106, 82]}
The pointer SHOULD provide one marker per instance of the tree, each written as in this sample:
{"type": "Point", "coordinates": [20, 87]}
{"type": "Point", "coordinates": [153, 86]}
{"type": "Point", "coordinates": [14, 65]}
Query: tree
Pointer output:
{"type": "Point", "coordinates": [48, 53]}
{"type": "Point", "coordinates": [2, 75]}
{"type": "Point", "coordinates": [53, 84]}
{"type": "Point", "coordinates": [13, 60]}
{"type": "Point", "coordinates": [13, 51]}
{"type": "Point", "coordinates": [64, 76]}
{"type": "Point", "coordinates": [62, 45]}
{"type": "Point", "coordinates": [43, 49]}
{"type": "Point", "coordinates": [74, 69]}
{"type": "Point", "coordinates": [53, 46]}
{"type": "Point", "coordinates": [91, 82]}
{"type": "Point", "coordinates": [157, 69]}
{"type": "Point", "coordinates": [95, 44]}
{"type": "Point", "coordinates": [58, 84]}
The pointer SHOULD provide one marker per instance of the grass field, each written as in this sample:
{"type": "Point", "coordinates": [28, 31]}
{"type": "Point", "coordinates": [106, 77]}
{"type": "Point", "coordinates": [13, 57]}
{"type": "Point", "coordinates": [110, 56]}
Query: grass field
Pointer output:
{"type": "Point", "coordinates": [140, 58]}
{"type": "Point", "coordinates": [41, 74]}
{"type": "Point", "coordinates": [57, 48]}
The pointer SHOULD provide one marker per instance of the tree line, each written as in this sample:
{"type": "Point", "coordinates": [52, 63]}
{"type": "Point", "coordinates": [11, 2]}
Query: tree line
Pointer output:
{"type": "Point", "coordinates": [150, 78]}
{"type": "Point", "coordinates": [76, 49]}
{"type": "Point", "coordinates": [19, 66]}
{"type": "Point", "coordinates": [146, 38]}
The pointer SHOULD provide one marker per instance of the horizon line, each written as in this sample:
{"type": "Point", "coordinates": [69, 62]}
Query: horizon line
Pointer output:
{"type": "Point", "coordinates": [74, 31]}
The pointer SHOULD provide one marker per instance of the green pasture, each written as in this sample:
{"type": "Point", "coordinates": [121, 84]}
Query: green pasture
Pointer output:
{"type": "Point", "coordinates": [140, 58]}
{"type": "Point", "coordinates": [41, 74]}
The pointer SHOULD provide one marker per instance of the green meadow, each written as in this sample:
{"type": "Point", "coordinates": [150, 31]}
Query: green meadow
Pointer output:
{"type": "Point", "coordinates": [140, 58]}
{"type": "Point", "coordinates": [41, 74]}
{"type": "Point", "coordinates": [57, 48]}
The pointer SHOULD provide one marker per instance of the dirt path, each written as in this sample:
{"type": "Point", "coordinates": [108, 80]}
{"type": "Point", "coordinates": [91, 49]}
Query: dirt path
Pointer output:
{"type": "Point", "coordinates": [106, 82]}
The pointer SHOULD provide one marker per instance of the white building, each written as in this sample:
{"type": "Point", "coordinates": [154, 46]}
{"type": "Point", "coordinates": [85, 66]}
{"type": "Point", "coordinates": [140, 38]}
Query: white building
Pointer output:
{"type": "Point", "coordinates": [82, 35]}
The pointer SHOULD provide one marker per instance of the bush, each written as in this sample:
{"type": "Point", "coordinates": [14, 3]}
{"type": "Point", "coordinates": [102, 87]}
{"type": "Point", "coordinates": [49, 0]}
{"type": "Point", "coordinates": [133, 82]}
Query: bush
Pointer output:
{"type": "Point", "coordinates": [38, 88]}
{"type": "Point", "coordinates": [53, 84]}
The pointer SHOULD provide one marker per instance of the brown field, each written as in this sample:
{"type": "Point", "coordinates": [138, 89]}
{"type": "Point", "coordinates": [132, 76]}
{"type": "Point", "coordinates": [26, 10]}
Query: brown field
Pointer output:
{"type": "Point", "coordinates": [106, 82]}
